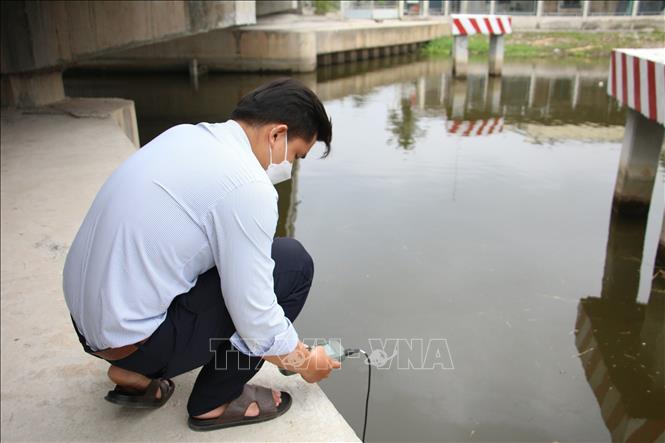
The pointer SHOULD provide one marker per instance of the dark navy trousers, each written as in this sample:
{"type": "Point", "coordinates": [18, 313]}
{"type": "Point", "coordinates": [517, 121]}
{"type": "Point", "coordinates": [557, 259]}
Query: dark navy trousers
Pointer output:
{"type": "Point", "coordinates": [197, 328]}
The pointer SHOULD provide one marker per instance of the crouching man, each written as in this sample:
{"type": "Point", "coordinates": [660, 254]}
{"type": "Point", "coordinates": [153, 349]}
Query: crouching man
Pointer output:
{"type": "Point", "coordinates": [175, 263]}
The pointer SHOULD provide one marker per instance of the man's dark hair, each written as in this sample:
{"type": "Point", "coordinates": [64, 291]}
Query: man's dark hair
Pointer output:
{"type": "Point", "coordinates": [289, 102]}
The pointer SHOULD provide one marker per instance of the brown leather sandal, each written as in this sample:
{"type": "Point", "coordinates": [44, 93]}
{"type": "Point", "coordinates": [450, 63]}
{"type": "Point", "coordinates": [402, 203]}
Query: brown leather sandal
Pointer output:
{"type": "Point", "coordinates": [234, 414]}
{"type": "Point", "coordinates": [145, 399]}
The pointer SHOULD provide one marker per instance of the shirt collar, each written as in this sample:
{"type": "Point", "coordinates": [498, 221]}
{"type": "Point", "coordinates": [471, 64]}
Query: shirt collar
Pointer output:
{"type": "Point", "coordinates": [230, 128]}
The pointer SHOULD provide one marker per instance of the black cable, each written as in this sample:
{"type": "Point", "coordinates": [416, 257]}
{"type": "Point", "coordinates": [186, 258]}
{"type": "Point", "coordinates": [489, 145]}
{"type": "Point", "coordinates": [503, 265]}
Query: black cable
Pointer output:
{"type": "Point", "coordinates": [348, 352]}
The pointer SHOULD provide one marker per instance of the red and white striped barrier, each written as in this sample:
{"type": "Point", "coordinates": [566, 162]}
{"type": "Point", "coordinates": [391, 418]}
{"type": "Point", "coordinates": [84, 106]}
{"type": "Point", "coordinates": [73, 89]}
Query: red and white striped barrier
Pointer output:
{"type": "Point", "coordinates": [622, 427]}
{"type": "Point", "coordinates": [467, 128]}
{"type": "Point", "coordinates": [470, 24]}
{"type": "Point", "coordinates": [637, 80]}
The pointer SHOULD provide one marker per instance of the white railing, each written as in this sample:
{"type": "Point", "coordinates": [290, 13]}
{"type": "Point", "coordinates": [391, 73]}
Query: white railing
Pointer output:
{"type": "Point", "coordinates": [370, 9]}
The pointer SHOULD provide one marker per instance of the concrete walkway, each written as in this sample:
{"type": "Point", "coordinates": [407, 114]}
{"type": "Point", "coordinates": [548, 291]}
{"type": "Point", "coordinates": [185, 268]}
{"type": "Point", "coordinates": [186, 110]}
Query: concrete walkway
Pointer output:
{"type": "Point", "coordinates": [53, 164]}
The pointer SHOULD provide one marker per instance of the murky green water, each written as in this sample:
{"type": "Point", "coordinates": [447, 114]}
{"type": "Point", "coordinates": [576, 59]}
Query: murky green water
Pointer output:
{"type": "Point", "coordinates": [474, 211]}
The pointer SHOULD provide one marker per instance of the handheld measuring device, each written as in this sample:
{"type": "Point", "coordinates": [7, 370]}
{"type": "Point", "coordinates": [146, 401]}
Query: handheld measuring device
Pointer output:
{"type": "Point", "coordinates": [334, 350]}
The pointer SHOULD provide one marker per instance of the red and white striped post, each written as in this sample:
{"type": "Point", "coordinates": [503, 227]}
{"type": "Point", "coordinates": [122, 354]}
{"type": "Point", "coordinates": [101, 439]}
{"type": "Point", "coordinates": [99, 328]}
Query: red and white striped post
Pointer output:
{"type": "Point", "coordinates": [463, 25]}
{"type": "Point", "coordinates": [637, 80]}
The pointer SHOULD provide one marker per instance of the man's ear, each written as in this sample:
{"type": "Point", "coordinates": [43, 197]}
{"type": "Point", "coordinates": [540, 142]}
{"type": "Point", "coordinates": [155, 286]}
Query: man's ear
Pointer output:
{"type": "Point", "coordinates": [276, 131]}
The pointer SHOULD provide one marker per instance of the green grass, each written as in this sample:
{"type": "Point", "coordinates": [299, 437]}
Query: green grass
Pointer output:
{"type": "Point", "coordinates": [557, 44]}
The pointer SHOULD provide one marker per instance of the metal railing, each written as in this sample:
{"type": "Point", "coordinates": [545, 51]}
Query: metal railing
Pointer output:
{"type": "Point", "coordinates": [370, 9]}
{"type": "Point", "coordinates": [386, 9]}
{"type": "Point", "coordinates": [519, 7]}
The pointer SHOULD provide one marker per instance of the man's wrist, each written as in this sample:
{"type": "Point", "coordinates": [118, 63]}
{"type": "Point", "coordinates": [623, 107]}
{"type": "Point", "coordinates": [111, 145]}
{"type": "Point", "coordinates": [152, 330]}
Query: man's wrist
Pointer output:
{"type": "Point", "coordinates": [295, 361]}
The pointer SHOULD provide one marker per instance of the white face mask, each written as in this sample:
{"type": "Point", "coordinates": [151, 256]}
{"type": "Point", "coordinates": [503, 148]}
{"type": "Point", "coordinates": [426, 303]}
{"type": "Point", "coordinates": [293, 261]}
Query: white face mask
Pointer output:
{"type": "Point", "coordinates": [281, 171]}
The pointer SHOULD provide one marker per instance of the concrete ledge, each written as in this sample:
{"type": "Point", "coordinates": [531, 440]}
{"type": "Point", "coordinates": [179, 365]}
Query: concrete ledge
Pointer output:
{"type": "Point", "coordinates": [53, 164]}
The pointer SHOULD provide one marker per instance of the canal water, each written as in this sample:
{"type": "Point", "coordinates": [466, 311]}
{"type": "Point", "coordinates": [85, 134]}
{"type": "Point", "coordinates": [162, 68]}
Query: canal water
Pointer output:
{"type": "Point", "coordinates": [471, 215]}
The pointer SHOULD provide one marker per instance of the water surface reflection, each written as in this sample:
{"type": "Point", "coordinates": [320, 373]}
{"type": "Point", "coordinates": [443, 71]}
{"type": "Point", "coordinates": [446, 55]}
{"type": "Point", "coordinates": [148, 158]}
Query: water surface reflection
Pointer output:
{"type": "Point", "coordinates": [475, 211]}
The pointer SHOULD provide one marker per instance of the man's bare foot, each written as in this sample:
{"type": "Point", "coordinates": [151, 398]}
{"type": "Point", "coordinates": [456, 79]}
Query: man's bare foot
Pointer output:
{"type": "Point", "coordinates": [131, 381]}
{"type": "Point", "coordinates": [252, 409]}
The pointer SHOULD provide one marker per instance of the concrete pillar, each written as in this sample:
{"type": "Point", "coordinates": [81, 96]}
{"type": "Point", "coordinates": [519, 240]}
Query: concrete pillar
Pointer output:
{"type": "Point", "coordinates": [32, 90]}
{"type": "Point", "coordinates": [623, 259]}
{"type": "Point", "coordinates": [195, 71]}
{"type": "Point", "coordinates": [576, 90]}
{"type": "Point", "coordinates": [652, 334]}
{"type": "Point", "coordinates": [532, 88]}
{"type": "Point", "coordinates": [460, 55]}
{"type": "Point", "coordinates": [550, 94]}
{"type": "Point", "coordinates": [459, 99]}
{"type": "Point", "coordinates": [642, 143]}
{"type": "Point", "coordinates": [496, 54]}
{"type": "Point", "coordinates": [660, 254]}
{"type": "Point", "coordinates": [446, 7]}
{"type": "Point", "coordinates": [464, 7]}
{"type": "Point", "coordinates": [494, 93]}
{"type": "Point", "coordinates": [424, 10]}
{"type": "Point", "coordinates": [539, 8]}
{"type": "Point", "coordinates": [400, 9]}
{"type": "Point", "coordinates": [586, 4]}
{"type": "Point", "coordinates": [443, 90]}
{"type": "Point", "coordinates": [421, 88]}
{"type": "Point", "coordinates": [492, 7]}
{"type": "Point", "coordinates": [636, 8]}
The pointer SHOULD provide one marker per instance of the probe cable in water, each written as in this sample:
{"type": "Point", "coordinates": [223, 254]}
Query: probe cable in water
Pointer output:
{"type": "Point", "coordinates": [349, 352]}
{"type": "Point", "coordinates": [334, 350]}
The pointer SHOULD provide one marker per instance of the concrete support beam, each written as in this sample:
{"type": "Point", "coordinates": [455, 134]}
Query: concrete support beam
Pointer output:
{"type": "Point", "coordinates": [446, 7]}
{"type": "Point", "coordinates": [496, 54]}
{"type": "Point", "coordinates": [636, 8]}
{"type": "Point", "coordinates": [32, 90]}
{"type": "Point", "coordinates": [539, 8]}
{"type": "Point", "coordinates": [642, 143]}
{"type": "Point", "coordinates": [460, 55]}
{"type": "Point", "coordinates": [586, 5]}
{"type": "Point", "coordinates": [424, 10]}
{"type": "Point", "coordinates": [492, 7]}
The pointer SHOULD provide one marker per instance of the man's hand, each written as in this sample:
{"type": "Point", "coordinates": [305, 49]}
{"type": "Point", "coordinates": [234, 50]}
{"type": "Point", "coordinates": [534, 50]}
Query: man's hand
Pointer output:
{"type": "Point", "coordinates": [313, 365]}
{"type": "Point", "coordinates": [318, 366]}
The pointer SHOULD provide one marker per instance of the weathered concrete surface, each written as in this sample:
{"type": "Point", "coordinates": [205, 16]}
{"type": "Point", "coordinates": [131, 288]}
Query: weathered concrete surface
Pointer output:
{"type": "Point", "coordinates": [52, 167]}
{"type": "Point", "coordinates": [38, 35]}
{"type": "Point", "coordinates": [638, 164]}
{"type": "Point", "coordinates": [30, 90]}
{"type": "Point", "coordinates": [278, 45]}
{"type": "Point", "coordinates": [40, 39]}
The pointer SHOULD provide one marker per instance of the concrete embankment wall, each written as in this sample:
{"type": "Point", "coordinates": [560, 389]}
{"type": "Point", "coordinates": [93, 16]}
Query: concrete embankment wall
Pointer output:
{"type": "Point", "coordinates": [298, 48]}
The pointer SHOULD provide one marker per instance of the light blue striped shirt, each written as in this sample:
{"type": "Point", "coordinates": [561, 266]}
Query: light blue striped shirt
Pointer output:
{"type": "Point", "coordinates": [193, 198]}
